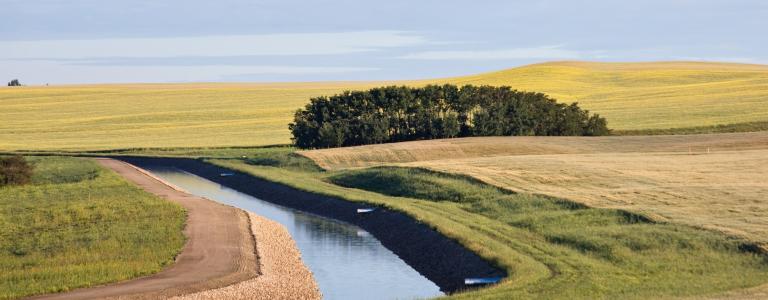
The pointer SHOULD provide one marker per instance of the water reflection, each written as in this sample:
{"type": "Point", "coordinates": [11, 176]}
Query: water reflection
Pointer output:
{"type": "Point", "coordinates": [347, 262]}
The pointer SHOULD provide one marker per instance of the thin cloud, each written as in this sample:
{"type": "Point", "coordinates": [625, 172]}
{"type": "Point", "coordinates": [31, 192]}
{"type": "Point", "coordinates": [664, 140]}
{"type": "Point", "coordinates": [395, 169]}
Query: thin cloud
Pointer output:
{"type": "Point", "coordinates": [230, 45]}
{"type": "Point", "coordinates": [38, 72]}
{"type": "Point", "coordinates": [547, 52]}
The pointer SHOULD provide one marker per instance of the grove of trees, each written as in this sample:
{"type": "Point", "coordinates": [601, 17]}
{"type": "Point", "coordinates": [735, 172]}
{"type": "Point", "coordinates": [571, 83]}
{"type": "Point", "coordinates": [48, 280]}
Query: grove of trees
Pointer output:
{"type": "Point", "coordinates": [399, 113]}
{"type": "Point", "coordinates": [14, 82]}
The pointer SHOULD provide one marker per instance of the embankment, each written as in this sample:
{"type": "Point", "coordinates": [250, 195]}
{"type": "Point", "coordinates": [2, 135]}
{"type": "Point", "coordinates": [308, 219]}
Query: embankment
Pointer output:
{"type": "Point", "coordinates": [440, 259]}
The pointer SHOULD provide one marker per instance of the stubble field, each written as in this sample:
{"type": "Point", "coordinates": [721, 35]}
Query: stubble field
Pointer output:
{"type": "Point", "coordinates": [709, 181]}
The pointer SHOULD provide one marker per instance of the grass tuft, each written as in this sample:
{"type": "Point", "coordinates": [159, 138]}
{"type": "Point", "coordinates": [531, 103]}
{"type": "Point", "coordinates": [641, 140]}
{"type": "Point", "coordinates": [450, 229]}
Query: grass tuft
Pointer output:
{"type": "Point", "coordinates": [409, 182]}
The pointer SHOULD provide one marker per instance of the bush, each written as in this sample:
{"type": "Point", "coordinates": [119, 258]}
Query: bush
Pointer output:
{"type": "Point", "coordinates": [15, 170]}
{"type": "Point", "coordinates": [394, 114]}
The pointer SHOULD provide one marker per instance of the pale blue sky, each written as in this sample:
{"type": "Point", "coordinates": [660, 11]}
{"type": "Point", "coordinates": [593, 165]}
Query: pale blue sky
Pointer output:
{"type": "Point", "coordinates": [95, 41]}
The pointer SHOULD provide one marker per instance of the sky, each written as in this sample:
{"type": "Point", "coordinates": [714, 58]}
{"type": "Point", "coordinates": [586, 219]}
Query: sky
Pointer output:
{"type": "Point", "coordinates": [118, 41]}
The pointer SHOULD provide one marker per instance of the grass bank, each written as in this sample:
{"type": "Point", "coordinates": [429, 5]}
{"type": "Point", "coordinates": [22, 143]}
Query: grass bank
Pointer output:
{"type": "Point", "coordinates": [551, 248]}
{"type": "Point", "coordinates": [80, 225]}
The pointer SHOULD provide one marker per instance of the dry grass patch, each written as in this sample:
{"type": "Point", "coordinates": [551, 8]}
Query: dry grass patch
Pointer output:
{"type": "Point", "coordinates": [667, 177]}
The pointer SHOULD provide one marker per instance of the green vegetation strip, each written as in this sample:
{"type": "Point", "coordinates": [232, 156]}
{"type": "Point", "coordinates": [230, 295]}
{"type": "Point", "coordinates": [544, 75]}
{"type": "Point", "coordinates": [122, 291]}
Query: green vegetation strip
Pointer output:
{"type": "Point", "coordinates": [79, 225]}
{"type": "Point", "coordinates": [727, 128]}
{"type": "Point", "coordinates": [551, 248]}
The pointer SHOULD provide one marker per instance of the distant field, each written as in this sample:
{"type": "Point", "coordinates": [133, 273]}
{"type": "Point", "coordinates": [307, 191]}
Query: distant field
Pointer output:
{"type": "Point", "coordinates": [648, 95]}
{"type": "Point", "coordinates": [79, 225]}
{"type": "Point", "coordinates": [631, 96]}
{"type": "Point", "coordinates": [709, 181]}
{"type": "Point", "coordinates": [135, 116]}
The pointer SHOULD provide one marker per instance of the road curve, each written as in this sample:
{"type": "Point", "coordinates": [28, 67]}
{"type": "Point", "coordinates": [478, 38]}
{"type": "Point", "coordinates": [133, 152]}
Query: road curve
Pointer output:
{"type": "Point", "coordinates": [220, 247]}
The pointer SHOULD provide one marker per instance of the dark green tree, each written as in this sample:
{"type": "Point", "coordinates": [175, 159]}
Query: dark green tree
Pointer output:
{"type": "Point", "coordinates": [596, 126]}
{"type": "Point", "coordinates": [331, 135]}
{"type": "Point", "coordinates": [399, 113]}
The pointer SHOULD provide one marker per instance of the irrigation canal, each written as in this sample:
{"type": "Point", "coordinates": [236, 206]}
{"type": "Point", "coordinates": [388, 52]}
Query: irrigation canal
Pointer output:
{"type": "Point", "coordinates": [347, 261]}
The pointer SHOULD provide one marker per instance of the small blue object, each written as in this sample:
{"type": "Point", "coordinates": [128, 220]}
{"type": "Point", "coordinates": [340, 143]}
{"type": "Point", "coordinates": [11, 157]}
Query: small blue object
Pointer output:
{"type": "Point", "coordinates": [482, 281]}
{"type": "Point", "coordinates": [227, 174]}
{"type": "Point", "coordinates": [365, 210]}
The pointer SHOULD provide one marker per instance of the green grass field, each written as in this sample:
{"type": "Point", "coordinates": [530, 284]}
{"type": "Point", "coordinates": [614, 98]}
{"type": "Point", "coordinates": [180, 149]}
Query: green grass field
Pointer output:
{"type": "Point", "coordinates": [636, 96]}
{"type": "Point", "coordinates": [552, 248]}
{"type": "Point", "coordinates": [80, 225]}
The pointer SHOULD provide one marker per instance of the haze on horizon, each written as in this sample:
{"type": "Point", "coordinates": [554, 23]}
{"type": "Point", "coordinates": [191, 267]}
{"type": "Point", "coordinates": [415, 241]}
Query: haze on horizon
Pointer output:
{"type": "Point", "coordinates": [90, 41]}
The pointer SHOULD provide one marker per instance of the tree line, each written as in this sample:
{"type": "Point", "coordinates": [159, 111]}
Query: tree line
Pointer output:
{"type": "Point", "coordinates": [400, 113]}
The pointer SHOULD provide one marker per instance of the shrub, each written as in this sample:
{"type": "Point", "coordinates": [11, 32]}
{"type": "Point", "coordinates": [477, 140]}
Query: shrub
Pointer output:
{"type": "Point", "coordinates": [15, 170]}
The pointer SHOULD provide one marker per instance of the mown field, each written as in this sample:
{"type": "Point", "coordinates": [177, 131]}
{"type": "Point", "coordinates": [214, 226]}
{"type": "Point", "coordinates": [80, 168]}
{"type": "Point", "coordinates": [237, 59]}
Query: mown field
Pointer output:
{"type": "Point", "coordinates": [639, 96]}
{"type": "Point", "coordinates": [79, 225]}
{"type": "Point", "coordinates": [551, 247]}
{"type": "Point", "coordinates": [710, 181]}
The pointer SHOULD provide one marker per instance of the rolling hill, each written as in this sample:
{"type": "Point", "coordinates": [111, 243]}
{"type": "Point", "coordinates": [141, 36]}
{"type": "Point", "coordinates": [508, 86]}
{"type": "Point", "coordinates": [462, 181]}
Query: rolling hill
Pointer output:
{"type": "Point", "coordinates": [631, 95]}
{"type": "Point", "coordinates": [648, 95]}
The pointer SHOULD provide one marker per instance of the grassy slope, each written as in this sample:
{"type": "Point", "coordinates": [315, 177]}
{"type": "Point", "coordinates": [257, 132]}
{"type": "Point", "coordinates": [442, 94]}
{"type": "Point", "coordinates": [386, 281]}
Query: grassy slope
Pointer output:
{"type": "Point", "coordinates": [631, 96]}
{"type": "Point", "coordinates": [671, 178]}
{"type": "Point", "coordinates": [80, 225]}
{"type": "Point", "coordinates": [552, 248]}
{"type": "Point", "coordinates": [648, 95]}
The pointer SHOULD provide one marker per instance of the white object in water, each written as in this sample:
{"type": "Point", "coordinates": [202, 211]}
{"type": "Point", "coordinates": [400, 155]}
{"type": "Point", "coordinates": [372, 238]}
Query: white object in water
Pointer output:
{"type": "Point", "coordinates": [227, 174]}
{"type": "Point", "coordinates": [365, 210]}
{"type": "Point", "coordinates": [479, 281]}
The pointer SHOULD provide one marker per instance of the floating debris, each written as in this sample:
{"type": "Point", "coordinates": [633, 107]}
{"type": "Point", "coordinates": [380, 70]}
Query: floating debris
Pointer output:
{"type": "Point", "coordinates": [365, 210]}
{"type": "Point", "coordinates": [227, 174]}
{"type": "Point", "coordinates": [482, 281]}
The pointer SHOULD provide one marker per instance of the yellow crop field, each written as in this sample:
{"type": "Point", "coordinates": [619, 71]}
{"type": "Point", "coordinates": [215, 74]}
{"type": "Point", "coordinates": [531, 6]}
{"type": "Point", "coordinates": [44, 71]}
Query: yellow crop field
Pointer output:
{"type": "Point", "coordinates": [648, 95]}
{"type": "Point", "coordinates": [98, 117]}
{"type": "Point", "coordinates": [715, 181]}
{"type": "Point", "coordinates": [630, 95]}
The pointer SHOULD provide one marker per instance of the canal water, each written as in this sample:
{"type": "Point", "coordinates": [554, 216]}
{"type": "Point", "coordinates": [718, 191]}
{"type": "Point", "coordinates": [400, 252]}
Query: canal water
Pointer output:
{"type": "Point", "coordinates": [347, 262]}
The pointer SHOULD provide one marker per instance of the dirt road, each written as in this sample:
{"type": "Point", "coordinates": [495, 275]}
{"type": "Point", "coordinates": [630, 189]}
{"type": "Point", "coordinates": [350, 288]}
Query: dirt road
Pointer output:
{"type": "Point", "coordinates": [220, 248]}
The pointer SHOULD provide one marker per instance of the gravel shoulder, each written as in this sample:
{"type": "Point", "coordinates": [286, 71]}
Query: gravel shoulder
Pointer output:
{"type": "Point", "coordinates": [283, 274]}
